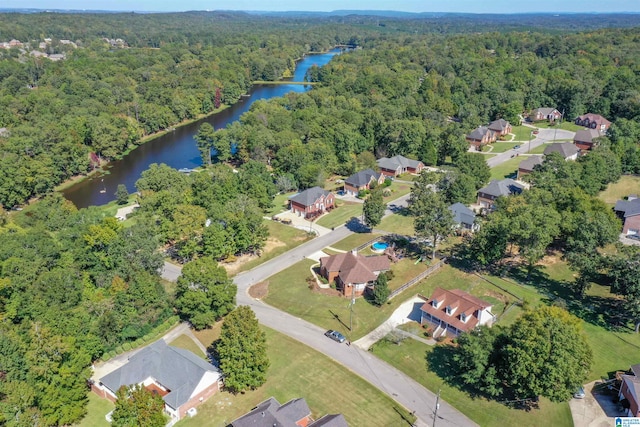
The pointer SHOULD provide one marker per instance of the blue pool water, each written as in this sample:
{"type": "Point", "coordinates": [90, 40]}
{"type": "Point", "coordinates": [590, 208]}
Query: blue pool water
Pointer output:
{"type": "Point", "coordinates": [379, 246]}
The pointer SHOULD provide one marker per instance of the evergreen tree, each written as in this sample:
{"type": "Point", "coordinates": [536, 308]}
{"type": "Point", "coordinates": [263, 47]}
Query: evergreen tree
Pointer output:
{"type": "Point", "coordinates": [242, 351]}
{"type": "Point", "coordinates": [381, 290]}
{"type": "Point", "coordinates": [122, 195]}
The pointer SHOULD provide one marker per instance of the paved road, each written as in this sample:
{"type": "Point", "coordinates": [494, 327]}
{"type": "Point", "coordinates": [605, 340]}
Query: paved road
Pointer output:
{"type": "Point", "coordinates": [544, 136]}
{"type": "Point", "coordinates": [388, 379]}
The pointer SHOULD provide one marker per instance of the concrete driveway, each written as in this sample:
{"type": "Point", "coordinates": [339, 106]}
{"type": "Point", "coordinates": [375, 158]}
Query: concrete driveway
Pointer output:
{"type": "Point", "coordinates": [595, 410]}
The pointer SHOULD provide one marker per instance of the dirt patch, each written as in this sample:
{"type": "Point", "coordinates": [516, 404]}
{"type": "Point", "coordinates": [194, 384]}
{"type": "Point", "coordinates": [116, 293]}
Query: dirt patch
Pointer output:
{"type": "Point", "coordinates": [549, 259]}
{"type": "Point", "coordinates": [235, 266]}
{"type": "Point", "coordinates": [497, 295]}
{"type": "Point", "coordinates": [259, 290]}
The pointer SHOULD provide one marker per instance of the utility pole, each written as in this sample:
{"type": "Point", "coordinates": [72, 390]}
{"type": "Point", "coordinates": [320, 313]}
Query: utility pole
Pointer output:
{"type": "Point", "coordinates": [435, 411]}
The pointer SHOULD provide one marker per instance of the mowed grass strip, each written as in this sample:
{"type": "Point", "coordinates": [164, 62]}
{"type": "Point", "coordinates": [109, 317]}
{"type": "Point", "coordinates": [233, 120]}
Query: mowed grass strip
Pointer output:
{"type": "Point", "coordinates": [298, 371]}
{"type": "Point", "coordinates": [627, 184]}
{"type": "Point", "coordinates": [399, 223]}
{"type": "Point", "coordinates": [501, 147]}
{"type": "Point", "coordinates": [186, 342]}
{"type": "Point", "coordinates": [97, 408]}
{"type": "Point", "coordinates": [354, 240]}
{"type": "Point", "coordinates": [410, 356]}
{"type": "Point", "coordinates": [341, 214]}
{"type": "Point", "coordinates": [506, 169]}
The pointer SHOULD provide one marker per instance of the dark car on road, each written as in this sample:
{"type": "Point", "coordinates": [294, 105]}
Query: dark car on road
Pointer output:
{"type": "Point", "coordinates": [335, 335]}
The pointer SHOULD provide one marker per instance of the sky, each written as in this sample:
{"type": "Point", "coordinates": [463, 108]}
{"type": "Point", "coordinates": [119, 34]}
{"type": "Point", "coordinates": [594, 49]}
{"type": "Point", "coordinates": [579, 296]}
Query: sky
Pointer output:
{"type": "Point", "coordinates": [468, 6]}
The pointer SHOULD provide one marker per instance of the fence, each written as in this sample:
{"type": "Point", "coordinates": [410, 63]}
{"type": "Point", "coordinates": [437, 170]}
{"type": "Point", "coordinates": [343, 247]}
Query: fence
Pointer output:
{"type": "Point", "coordinates": [370, 242]}
{"type": "Point", "coordinates": [419, 277]}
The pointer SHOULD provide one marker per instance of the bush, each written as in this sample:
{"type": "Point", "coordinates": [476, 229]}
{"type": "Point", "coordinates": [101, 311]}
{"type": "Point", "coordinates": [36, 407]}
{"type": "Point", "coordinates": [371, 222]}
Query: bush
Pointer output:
{"type": "Point", "coordinates": [126, 346]}
{"type": "Point", "coordinates": [387, 182]}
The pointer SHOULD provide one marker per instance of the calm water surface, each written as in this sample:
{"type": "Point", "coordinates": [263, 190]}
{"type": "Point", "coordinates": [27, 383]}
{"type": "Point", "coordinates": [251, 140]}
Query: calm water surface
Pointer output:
{"type": "Point", "coordinates": [178, 148]}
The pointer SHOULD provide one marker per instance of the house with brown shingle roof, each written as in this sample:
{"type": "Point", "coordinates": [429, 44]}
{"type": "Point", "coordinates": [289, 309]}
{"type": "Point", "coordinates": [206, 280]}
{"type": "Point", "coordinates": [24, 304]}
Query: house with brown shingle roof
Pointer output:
{"type": "Point", "coordinates": [352, 272]}
{"type": "Point", "coordinates": [593, 121]}
{"type": "Point", "coordinates": [480, 137]}
{"type": "Point", "coordinates": [528, 165]}
{"type": "Point", "coordinates": [294, 413]}
{"type": "Point", "coordinates": [567, 150]}
{"type": "Point", "coordinates": [451, 312]}
{"type": "Point", "coordinates": [585, 139]}
{"type": "Point", "coordinates": [501, 127]}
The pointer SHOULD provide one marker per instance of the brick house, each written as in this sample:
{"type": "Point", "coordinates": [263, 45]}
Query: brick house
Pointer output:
{"type": "Point", "coordinates": [294, 413]}
{"type": "Point", "coordinates": [397, 165]}
{"type": "Point", "coordinates": [545, 113]}
{"type": "Point", "coordinates": [312, 202]}
{"type": "Point", "coordinates": [451, 312]}
{"type": "Point", "coordinates": [352, 272]}
{"type": "Point", "coordinates": [480, 137]}
{"type": "Point", "coordinates": [593, 121]}
{"type": "Point", "coordinates": [584, 139]}
{"type": "Point", "coordinates": [183, 379]}
{"type": "Point", "coordinates": [567, 150]}
{"type": "Point", "coordinates": [528, 165]}
{"type": "Point", "coordinates": [362, 181]}
{"type": "Point", "coordinates": [488, 195]}
{"type": "Point", "coordinates": [501, 127]}
{"type": "Point", "coordinates": [629, 212]}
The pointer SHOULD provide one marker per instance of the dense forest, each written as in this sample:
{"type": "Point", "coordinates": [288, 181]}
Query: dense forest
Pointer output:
{"type": "Point", "coordinates": [75, 284]}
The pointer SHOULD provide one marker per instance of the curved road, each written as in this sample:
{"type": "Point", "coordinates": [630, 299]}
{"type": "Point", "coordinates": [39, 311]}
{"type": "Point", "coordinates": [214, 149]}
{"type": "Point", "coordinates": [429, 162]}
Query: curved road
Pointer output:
{"type": "Point", "coordinates": [543, 136]}
{"type": "Point", "coordinates": [400, 387]}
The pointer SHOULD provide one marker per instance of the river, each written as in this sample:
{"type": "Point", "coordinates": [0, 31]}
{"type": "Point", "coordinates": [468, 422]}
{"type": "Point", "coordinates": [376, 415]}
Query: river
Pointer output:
{"type": "Point", "coordinates": [178, 148]}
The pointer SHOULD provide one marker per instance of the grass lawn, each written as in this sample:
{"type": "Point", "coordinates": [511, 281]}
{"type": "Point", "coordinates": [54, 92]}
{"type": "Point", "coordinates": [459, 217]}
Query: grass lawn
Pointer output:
{"type": "Point", "coordinates": [627, 184]}
{"type": "Point", "coordinates": [506, 169]}
{"type": "Point", "coordinates": [408, 177]}
{"type": "Point", "coordinates": [354, 240]}
{"type": "Point", "coordinates": [398, 189]}
{"type": "Point", "coordinates": [280, 203]}
{"type": "Point", "coordinates": [187, 343]}
{"type": "Point", "coordinates": [405, 270]}
{"type": "Point", "coordinates": [96, 410]}
{"type": "Point", "coordinates": [410, 356]}
{"type": "Point", "coordinates": [564, 125]}
{"type": "Point", "coordinates": [298, 371]}
{"type": "Point", "coordinates": [537, 150]}
{"type": "Point", "coordinates": [399, 223]}
{"type": "Point", "coordinates": [522, 133]}
{"type": "Point", "coordinates": [501, 147]}
{"type": "Point", "coordinates": [281, 239]}
{"type": "Point", "coordinates": [341, 214]}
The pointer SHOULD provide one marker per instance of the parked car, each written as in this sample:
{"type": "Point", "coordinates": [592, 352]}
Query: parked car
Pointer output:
{"type": "Point", "coordinates": [579, 394]}
{"type": "Point", "coordinates": [335, 335]}
{"type": "Point", "coordinates": [515, 147]}
{"type": "Point", "coordinates": [535, 132]}
{"type": "Point", "coordinates": [633, 236]}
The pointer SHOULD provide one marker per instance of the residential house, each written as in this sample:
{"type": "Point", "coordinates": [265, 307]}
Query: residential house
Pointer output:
{"type": "Point", "coordinates": [15, 43]}
{"type": "Point", "coordinates": [464, 217]}
{"type": "Point", "coordinates": [398, 165]}
{"type": "Point", "coordinates": [352, 272]}
{"type": "Point", "coordinates": [183, 379]}
{"type": "Point", "coordinates": [584, 139]}
{"type": "Point", "coordinates": [501, 127]}
{"type": "Point", "coordinates": [545, 113]}
{"type": "Point", "coordinates": [362, 181]}
{"type": "Point", "coordinates": [497, 188]}
{"type": "Point", "coordinates": [567, 150]}
{"type": "Point", "coordinates": [593, 121]}
{"type": "Point", "coordinates": [629, 393]}
{"type": "Point", "coordinates": [312, 202]}
{"type": "Point", "coordinates": [528, 165]}
{"type": "Point", "coordinates": [451, 312]}
{"type": "Point", "coordinates": [294, 413]}
{"type": "Point", "coordinates": [629, 212]}
{"type": "Point", "coordinates": [480, 137]}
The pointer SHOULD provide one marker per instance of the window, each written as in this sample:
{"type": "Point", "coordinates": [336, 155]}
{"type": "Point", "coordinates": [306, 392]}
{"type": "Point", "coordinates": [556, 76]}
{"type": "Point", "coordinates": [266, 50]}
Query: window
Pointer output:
{"type": "Point", "coordinates": [435, 303]}
{"type": "Point", "coordinates": [463, 317]}
{"type": "Point", "coordinates": [448, 310]}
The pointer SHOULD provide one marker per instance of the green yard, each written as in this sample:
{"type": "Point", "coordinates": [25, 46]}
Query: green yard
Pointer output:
{"type": "Point", "coordinates": [341, 214]}
{"type": "Point", "coordinates": [501, 147]}
{"type": "Point", "coordinates": [627, 184]}
{"type": "Point", "coordinates": [400, 223]}
{"type": "Point", "coordinates": [280, 204]}
{"type": "Point", "coordinates": [354, 240]}
{"type": "Point", "coordinates": [566, 125]}
{"type": "Point", "coordinates": [96, 411]}
{"type": "Point", "coordinates": [507, 169]}
{"type": "Point", "coordinates": [398, 189]}
{"type": "Point", "coordinates": [522, 133]}
{"type": "Point", "coordinates": [298, 371]}
{"type": "Point", "coordinates": [186, 342]}
{"type": "Point", "coordinates": [537, 150]}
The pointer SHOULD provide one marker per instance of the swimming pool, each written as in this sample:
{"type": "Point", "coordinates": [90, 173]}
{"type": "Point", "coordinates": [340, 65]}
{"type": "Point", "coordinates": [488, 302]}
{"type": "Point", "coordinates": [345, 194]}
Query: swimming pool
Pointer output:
{"type": "Point", "coordinates": [379, 246]}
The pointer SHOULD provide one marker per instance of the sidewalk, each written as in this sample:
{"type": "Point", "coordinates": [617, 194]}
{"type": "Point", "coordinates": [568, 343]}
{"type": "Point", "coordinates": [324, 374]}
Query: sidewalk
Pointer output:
{"type": "Point", "coordinates": [303, 224]}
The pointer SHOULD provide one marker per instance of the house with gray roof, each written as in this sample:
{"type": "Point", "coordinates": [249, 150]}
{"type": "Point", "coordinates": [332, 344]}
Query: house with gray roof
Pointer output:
{"type": "Point", "coordinates": [362, 181]}
{"type": "Point", "coordinates": [312, 202]}
{"type": "Point", "coordinates": [501, 127]}
{"type": "Point", "coordinates": [629, 212]}
{"type": "Point", "coordinates": [183, 379]}
{"type": "Point", "coordinates": [585, 139]}
{"type": "Point", "coordinates": [480, 137]}
{"type": "Point", "coordinates": [567, 150]}
{"type": "Point", "coordinates": [464, 217]}
{"type": "Point", "coordinates": [497, 188]}
{"type": "Point", "coordinates": [397, 165]}
{"type": "Point", "coordinates": [545, 113]}
{"type": "Point", "coordinates": [528, 165]}
{"type": "Point", "coordinates": [295, 413]}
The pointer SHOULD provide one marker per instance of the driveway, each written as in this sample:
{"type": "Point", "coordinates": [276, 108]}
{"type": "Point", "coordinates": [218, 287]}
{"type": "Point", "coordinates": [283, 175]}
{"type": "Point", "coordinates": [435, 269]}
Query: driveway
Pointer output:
{"type": "Point", "coordinates": [595, 410]}
{"type": "Point", "coordinates": [544, 136]}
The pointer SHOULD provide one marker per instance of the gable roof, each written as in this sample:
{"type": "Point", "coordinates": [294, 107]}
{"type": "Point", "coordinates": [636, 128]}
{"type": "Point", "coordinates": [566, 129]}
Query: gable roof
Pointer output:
{"type": "Point", "coordinates": [459, 301]}
{"type": "Point", "coordinates": [633, 383]}
{"type": "Point", "coordinates": [636, 369]}
{"type": "Point", "coordinates": [479, 132]}
{"type": "Point", "coordinates": [530, 163]}
{"type": "Point", "coordinates": [355, 268]}
{"type": "Point", "coordinates": [396, 162]}
{"type": "Point", "coordinates": [545, 111]}
{"type": "Point", "coordinates": [587, 135]}
{"type": "Point", "coordinates": [178, 370]}
{"type": "Point", "coordinates": [505, 187]}
{"type": "Point", "coordinates": [332, 420]}
{"type": "Point", "coordinates": [499, 125]}
{"type": "Point", "coordinates": [462, 214]}
{"type": "Point", "coordinates": [597, 118]}
{"type": "Point", "coordinates": [628, 207]}
{"type": "Point", "coordinates": [271, 414]}
{"type": "Point", "coordinates": [362, 178]}
{"type": "Point", "coordinates": [309, 196]}
{"type": "Point", "coordinates": [566, 149]}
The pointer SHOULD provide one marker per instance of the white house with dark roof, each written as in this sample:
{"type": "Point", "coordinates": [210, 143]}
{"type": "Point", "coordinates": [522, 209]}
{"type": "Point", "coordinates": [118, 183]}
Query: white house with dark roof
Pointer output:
{"type": "Point", "coordinates": [451, 312]}
{"type": "Point", "coordinates": [182, 379]}
{"type": "Point", "coordinates": [294, 413]}
{"type": "Point", "coordinates": [566, 149]}
{"type": "Point", "coordinates": [397, 165]}
{"type": "Point", "coordinates": [498, 188]}
{"type": "Point", "coordinates": [545, 113]}
{"type": "Point", "coordinates": [629, 212]}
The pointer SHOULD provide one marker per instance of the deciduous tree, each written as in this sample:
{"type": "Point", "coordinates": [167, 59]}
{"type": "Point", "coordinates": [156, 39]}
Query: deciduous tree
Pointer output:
{"type": "Point", "coordinates": [373, 208]}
